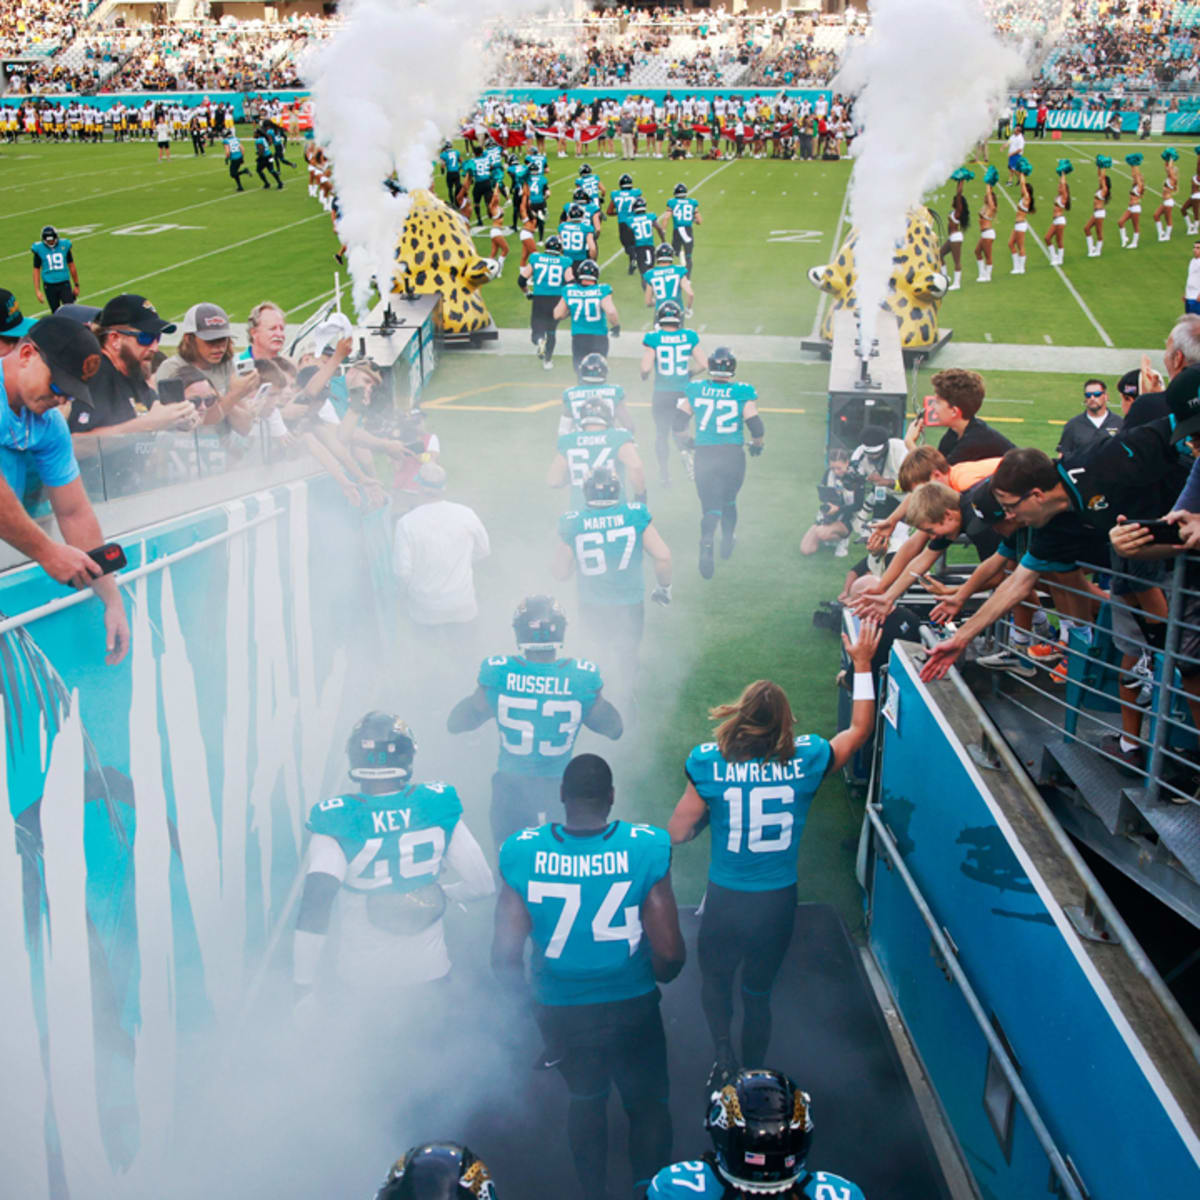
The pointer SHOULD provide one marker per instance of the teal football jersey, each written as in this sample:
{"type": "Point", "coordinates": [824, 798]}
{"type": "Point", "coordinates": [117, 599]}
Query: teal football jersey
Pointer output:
{"type": "Point", "coordinates": [574, 236]}
{"type": "Point", "coordinates": [666, 283]}
{"type": "Point", "coordinates": [538, 186]}
{"type": "Point", "coordinates": [478, 169]}
{"type": "Point", "coordinates": [539, 707]}
{"type": "Point", "coordinates": [536, 163]}
{"type": "Point", "coordinates": [451, 160]}
{"type": "Point", "coordinates": [585, 452]}
{"type": "Point", "coordinates": [584, 895]}
{"type": "Point", "coordinates": [518, 173]}
{"type": "Point", "coordinates": [717, 407]}
{"type": "Point", "coordinates": [757, 811]}
{"type": "Point", "coordinates": [607, 543]}
{"type": "Point", "coordinates": [586, 305]}
{"type": "Point", "coordinates": [672, 355]}
{"type": "Point", "coordinates": [683, 210]}
{"type": "Point", "coordinates": [547, 274]}
{"type": "Point", "coordinates": [700, 1181]}
{"type": "Point", "coordinates": [623, 199]}
{"type": "Point", "coordinates": [589, 184]}
{"type": "Point", "coordinates": [394, 841]}
{"type": "Point", "coordinates": [642, 225]}
{"type": "Point", "coordinates": [52, 260]}
{"type": "Point", "coordinates": [611, 394]}
{"type": "Point", "coordinates": [493, 157]}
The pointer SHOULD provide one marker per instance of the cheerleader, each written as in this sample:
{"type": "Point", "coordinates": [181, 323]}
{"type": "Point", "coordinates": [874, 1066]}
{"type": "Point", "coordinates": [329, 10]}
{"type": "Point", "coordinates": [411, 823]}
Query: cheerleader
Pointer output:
{"type": "Point", "coordinates": [1191, 206]}
{"type": "Point", "coordinates": [1164, 214]}
{"type": "Point", "coordinates": [496, 232]}
{"type": "Point", "coordinates": [1133, 213]}
{"type": "Point", "coordinates": [956, 223]}
{"type": "Point", "coordinates": [1025, 209]}
{"type": "Point", "coordinates": [987, 226]}
{"type": "Point", "coordinates": [1100, 196]}
{"type": "Point", "coordinates": [1062, 206]}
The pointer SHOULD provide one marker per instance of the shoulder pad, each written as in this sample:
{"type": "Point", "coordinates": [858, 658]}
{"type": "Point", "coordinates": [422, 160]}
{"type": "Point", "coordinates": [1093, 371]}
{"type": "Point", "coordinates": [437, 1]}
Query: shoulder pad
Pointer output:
{"type": "Point", "coordinates": [328, 815]}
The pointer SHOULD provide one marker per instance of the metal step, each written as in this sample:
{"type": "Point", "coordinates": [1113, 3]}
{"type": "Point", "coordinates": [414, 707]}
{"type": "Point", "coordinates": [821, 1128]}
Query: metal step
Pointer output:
{"type": "Point", "coordinates": [1103, 787]}
{"type": "Point", "coordinates": [1177, 826]}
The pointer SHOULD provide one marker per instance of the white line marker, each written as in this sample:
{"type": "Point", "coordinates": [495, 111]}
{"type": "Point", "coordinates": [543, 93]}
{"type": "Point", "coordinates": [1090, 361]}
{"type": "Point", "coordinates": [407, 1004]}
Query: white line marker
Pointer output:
{"type": "Point", "coordinates": [1087, 312]}
{"type": "Point", "coordinates": [1049, 339]}
{"type": "Point", "coordinates": [987, 337]}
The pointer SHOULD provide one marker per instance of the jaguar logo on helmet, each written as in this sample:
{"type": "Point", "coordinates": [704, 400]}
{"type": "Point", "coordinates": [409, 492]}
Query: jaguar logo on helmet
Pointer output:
{"type": "Point", "coordinates": [1097, 503]}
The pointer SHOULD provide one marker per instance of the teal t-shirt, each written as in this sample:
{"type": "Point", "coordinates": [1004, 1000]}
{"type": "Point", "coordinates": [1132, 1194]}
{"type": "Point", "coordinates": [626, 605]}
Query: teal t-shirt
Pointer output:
{"type": "Point", "coordinates": [666, 283]}
{"type": "Point", "coordinates": [52, 260]}
{"type": "Point", "coordinates": [607, 543]}
{"type": "Point", "coordinates": [757, 811]}
{"type": "Point", "coordinates": [672, 356]}
{"type": "Point", "coordinates": [585, 451]}
{"type": "Point", "coordinates": [539, 707]}
{"type": "Point", "coordinates": [717, 407]}
{"type": "Point", "coordinates": [395, 841]}
{"type": "Point", "coordinates": [607, 393]}
{"type": "Point", "coordinates": [41, 439]}
{"type": "Point", "coordinates": [546, 278]}
{"type": "Point", "coordinates": [622, 200]}
{"type": "Point", "coordinates": [584, 895]}
{"type": "Point", "coordinates": [587, 307]}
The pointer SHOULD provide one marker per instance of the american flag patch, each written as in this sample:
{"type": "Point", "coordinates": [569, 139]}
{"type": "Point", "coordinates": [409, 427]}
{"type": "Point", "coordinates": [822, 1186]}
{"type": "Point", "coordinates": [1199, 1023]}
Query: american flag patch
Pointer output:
{"type": "Point", "coordinates": [756, 1160]}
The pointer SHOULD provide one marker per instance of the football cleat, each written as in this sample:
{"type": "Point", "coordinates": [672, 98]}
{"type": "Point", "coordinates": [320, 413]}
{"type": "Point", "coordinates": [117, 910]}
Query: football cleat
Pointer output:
{"type": "Point", "coordinates": [438, 1171]}
{"type": "Point", "coordinates": [669, 314]}
{"type": "Point", "coordinates": [706, 558]}
{"type": "Point", "coordinates": [593, 368]}
{"type": "Point", "coordinates": [722, 364]}
{"type": "Point", "coordinates": [539, 622]}
{"type": "Point", "coordinates": [587, 269]}
{"type": "Point", "coordinates": [761, 1130]}
{"type": "Point", "coordinates": [602, 488]}
{"type": "Point", "coordinates": [380, 746]}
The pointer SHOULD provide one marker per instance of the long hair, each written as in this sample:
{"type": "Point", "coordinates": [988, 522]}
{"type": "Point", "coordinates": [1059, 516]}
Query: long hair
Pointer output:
{"type": "Point", "coordinates": [189, 353]}
{"type": "Point", "coordinates": [758, 724]}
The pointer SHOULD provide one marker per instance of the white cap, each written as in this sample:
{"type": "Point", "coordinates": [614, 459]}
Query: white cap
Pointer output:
{"type": "Point", "coordinates": [331, 331]}
{"type": "Point", "coordinates": [431, 477]}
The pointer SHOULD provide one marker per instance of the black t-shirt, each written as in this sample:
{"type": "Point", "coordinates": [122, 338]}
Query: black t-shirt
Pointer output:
{"type": "Point", "coordinates": [115, 399]}
{"type": "Point", "coordinates": [978, 440]}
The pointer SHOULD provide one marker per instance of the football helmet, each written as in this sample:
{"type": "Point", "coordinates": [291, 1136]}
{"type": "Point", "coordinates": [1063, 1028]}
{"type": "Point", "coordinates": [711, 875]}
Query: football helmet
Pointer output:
{"type": "Point", "coordinates": [587, 269]}
{"type": "Point", "coordinates": [380, 746]}
{"type": "Point", "coordinates": [586, 169]}
{"type": "Point", "coordinates": [639, 204]}
{"type": "Point", "coordinates": [539, 622]}
{"type": "Point", "coordinates": [438, 1171]}
{"type": "Point", "coordinates": [575, 212]}
{"type": "Point", "coordinates": [669, 314]}
{"type": "Point", "coordinates": [626, 181]}
{"type": "Point", "coordinates": [580, 195]}
{"type": "Point", "coordinates": [594, 412]}
{"type": "Point", "coordinates": [602, 488]}
{"type": "Point", "coordinates": [663, 254]}
{"type": "Point", "coordinates": [593, 368]}
{"type": "Point", "coordinates": [761, 1131]}
{"type": "Point", "coordinates": [553, 244]}
{"type": "Point", "coordinates": [680, 189]}
{"type": "Point", "coordinates": [722, 364]}
{"type": "Point", "coordinates": [50, 235]}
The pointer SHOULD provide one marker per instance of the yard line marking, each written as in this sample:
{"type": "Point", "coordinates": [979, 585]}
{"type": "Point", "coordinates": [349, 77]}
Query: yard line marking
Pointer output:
{"type": "Point", "coordinates": [1087, 312]}
{"type": "Point", "coordinates": [987, 337]}
{"type": "Point", "coordinates": [51, 179]}
{"type": "Point", "coordinates": [1049, 340]}
{"type": "Point", "coordinates": [837, 234]}
{"type": "Point", "coordinates": [312, 302]}
{"type": "Point", "coordinates": [111, 288]}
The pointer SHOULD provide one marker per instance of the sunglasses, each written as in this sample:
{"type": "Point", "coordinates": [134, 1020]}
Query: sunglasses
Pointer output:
{"type": "Point", "coordinates": [140, 336]}
{"type": "Point", "coordinates": [1093, 395]}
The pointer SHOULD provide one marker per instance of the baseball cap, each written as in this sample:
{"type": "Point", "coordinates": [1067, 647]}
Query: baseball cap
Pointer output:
{"type": "Point", "coordinates": [1130, 383]}
{"type": "Point", "coordinates": [71, 352]}
{"type": "Point", "coordinates": [1183, 402]}
{"type": "Point", "coordinates": [135, 311]}
{"type": "Point", "coordinates": [12, 323]}
{"type": "Point", "coordinates": [85, 314]}
{"type": "Point", "coordinates": [209, 322]}
{"type": "Point", "coordinates": [873, 439]}
{"type": "Point", "coordinates": [983, 502]}
{"type": "Point", "coordinates": [431, 477]}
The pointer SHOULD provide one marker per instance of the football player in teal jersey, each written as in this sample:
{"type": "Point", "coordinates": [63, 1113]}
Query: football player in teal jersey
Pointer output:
{"type": "Point", "coordinates": [594, 897]}
{"type": "Point", "coordinates": [536, 162]}
{"type": "Point", "coordinates": [451, 163]}
{"type": "Point", "coordinates": [576, 234]}
{"type": "Point", "coordinates": [591, 213]}
{"type": "Point", "coordinates": [540, 701]}
{"type": "Point", "coordinates": [383, 850]}
{"type": "Point", "coordinates": [620, 205]}
{"type": "Point", "coordinates": [479, 171]}
{"type": "Point", "coordinates": [438, 1171]}
{"type": "Point", "coordinates": [54, 267]}
{"type": "Point", "coordinates": [603, 543]}
{"type": "Point", "coordinates": [593, 384]}
{"type": "Point", "coordinates": [518, 185]}
{"type": "Point", "coordinates": [644, 224]}
{"type": "Point", "coordinates": [536, 197]}
{"type": "Point", "coordinates": [666, 280]}
{"type": "Point", "coordinates": [589, 181]}
{"type": "Point", "coordinates": [542, 279]}
{"type": "Point", "coordinates": [720, 408]}
{"type": "Point", "coordinates": [589, 304]}
{"type": "Point", "coordinates": [761, 1128]}
{"type": "Point", "coordinates": [754, 785]}
{"type": "Point", "coordinates": [264, 160]}
{"type": "Point", "coordinates": [235, 159]}
{"type": "Point", "coordinates": [685, 216]}
{"type": "Point", "coordinates": [597, 443]}
{"type": "Point", "coordinates": [672, 354]}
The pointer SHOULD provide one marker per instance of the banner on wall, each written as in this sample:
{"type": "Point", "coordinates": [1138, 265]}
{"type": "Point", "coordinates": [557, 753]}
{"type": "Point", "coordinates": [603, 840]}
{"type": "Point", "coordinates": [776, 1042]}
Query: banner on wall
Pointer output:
{"type": "Point", "coordinates": [1092, 120]}
{"type": "Point", "coordinates": [157, 808]}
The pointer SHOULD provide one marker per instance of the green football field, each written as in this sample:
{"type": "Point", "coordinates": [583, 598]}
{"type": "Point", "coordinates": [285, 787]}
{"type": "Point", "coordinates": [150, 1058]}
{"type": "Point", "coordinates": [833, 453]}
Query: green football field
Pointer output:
{"type": "Point", "coordinates": [179, 233]}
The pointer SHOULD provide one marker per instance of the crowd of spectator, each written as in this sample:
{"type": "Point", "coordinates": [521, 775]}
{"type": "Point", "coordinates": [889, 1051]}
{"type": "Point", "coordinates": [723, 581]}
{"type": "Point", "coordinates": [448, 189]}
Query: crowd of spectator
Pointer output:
{"type": "Point", "coordinates": [40, 27]}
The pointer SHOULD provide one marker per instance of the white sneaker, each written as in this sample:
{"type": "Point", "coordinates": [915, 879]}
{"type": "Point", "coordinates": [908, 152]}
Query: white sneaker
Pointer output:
{"type": "Point", "coordinates": [955, 285]}
{"type": "Point", "coordinates": [547, 365]}
{"type": "Point", "coordinates": [1007, 660]}
{"type": "Point", "coordinates": [842, 548]}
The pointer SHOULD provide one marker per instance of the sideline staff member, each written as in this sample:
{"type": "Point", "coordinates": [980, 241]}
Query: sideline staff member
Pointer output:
{"type": "Point", "coordinates": [49, 368]}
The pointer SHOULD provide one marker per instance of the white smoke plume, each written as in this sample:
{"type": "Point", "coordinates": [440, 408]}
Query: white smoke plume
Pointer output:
{"type": "Point", "coordinates": [386, 90]}
{"type": "Point", "coordinates": [928, 81]}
